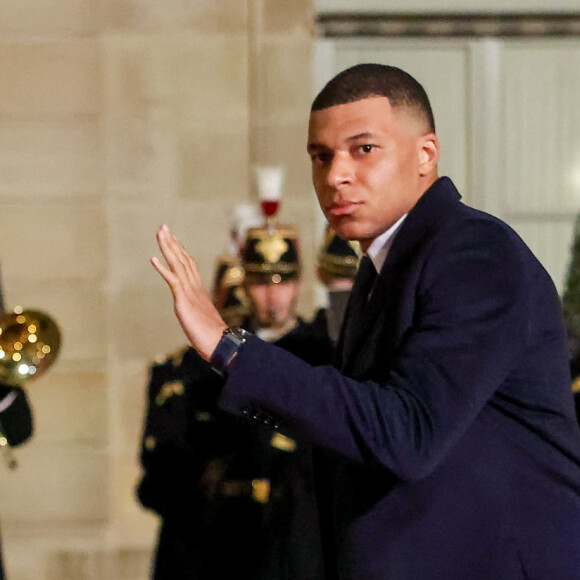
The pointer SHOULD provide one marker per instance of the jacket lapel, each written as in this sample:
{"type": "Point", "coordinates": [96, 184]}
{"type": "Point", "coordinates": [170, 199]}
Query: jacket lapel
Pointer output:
{"type": "Point", "coordinates": [419, 223]}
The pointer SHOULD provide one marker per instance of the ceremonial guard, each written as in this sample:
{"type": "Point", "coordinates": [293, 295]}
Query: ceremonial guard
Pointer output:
{"type": "Point", "coordinates": [272, 268]}
{"type": "Point", "coordinates": [337, 266]}
{"type": "Point", "coordinates": [235, 498]}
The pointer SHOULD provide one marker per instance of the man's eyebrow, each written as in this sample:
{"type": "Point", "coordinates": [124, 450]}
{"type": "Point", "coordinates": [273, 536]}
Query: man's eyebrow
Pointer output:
{"type": "Point", "coordinates": [363, 135]}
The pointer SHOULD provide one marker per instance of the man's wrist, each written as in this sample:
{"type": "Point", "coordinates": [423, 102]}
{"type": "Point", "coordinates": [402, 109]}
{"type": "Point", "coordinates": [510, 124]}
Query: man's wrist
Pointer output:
{"type": "Point", "coordinates": [227, 349]}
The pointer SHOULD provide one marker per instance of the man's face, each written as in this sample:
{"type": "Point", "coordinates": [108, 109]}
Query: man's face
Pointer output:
{"type": "Point", "coordinates": [273, 305]}
{"type": "Point", "coordinates": [370, 165]}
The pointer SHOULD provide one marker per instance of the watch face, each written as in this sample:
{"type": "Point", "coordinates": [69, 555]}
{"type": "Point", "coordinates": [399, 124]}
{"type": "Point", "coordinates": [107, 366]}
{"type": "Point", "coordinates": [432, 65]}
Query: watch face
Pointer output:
{"type": "Point", "coordinates": [236, 335]}
{"type": "Point", "coordinates": [241, 334]}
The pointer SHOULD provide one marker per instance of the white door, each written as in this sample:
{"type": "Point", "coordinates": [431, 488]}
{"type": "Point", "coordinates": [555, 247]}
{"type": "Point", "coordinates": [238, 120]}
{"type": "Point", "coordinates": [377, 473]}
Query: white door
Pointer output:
{"type": "Point", "coordinates": [507, 117]}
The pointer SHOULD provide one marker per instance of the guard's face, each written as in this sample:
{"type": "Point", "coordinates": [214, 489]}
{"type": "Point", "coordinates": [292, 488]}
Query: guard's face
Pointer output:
{"type": "Point", "coordinates": [273, 305]}
{"type": "Point", "coordinates": [370, 165]}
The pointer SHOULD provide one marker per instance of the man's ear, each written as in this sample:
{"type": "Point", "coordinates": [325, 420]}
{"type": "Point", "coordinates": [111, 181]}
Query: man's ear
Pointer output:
{"type": "Point", "coordinates": [428, 153]}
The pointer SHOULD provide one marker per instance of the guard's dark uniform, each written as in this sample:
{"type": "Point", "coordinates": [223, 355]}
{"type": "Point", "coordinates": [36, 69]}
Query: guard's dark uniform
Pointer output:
{"type": "Point", "coordinates": [574, 352]}
{"type": "Point", "coordinates": [235, 498]}
{"type": "Point", "coordinates": [575, 373]}
{"type": "Point", "coordinates": [16, 422]}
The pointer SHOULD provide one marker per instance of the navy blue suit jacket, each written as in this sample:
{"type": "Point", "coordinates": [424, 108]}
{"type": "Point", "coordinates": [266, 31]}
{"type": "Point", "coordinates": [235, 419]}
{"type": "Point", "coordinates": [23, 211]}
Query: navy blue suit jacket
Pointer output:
{"type": "Point", "coordinates": [448, 444]}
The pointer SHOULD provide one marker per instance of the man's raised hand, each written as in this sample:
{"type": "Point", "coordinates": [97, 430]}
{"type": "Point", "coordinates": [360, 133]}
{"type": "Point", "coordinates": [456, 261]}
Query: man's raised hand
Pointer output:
{"type": "Point", "coordinates": [192, 304]}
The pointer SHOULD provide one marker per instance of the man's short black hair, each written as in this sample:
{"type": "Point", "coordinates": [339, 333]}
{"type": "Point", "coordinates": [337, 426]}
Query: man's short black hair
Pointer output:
{"type": "Point", "coordinates": [363, 81]}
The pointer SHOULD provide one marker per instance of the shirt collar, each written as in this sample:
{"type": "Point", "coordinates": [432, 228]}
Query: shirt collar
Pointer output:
{"type": "Point", "coordinates": [380, 246]}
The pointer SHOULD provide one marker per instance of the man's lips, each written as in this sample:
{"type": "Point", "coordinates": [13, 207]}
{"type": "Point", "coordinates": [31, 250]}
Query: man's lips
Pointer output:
{"type": "Point", "coordinates": [342, 208]}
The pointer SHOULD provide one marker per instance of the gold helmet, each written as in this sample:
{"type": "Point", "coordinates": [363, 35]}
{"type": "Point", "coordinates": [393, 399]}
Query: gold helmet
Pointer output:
{"type": "Point", "coordinates": [229, 296]}
{"type": "Point", "coordinates": [271, 254]}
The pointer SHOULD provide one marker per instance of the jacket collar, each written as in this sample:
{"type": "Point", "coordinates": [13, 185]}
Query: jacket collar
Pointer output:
{"type": "Point", "coordinates": [433, 205]}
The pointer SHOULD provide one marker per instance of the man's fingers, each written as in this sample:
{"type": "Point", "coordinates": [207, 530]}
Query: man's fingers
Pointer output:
{"type": "Point", "coordinates": [166, 274]}
{"type": "Point", "coordinates": [192, 304]}
{"type": "Point", "coordinates": [177, 257]}
{"type": "Point", "coordinates": [188, 263]}
{"type": "Point", "coordinates": [172, 280]}
{"type": "Point", "coordinates": [168, 248]}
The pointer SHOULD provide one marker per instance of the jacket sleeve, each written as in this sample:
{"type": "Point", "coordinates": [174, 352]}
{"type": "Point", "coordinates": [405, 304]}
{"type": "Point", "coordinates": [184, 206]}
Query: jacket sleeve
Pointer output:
{"type": "Point", "coordinates": [469, 328]}
{"type": "Point", "coordinates": [15, 414]}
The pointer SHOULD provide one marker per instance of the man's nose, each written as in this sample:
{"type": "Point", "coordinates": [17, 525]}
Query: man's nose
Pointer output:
{"type": "Point", "coordinates": [341, 171]}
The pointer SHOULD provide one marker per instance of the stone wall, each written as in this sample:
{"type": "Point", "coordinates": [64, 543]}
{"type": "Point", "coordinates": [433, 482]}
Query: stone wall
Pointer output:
{"type": "Point", "coordinates": [117, 116]}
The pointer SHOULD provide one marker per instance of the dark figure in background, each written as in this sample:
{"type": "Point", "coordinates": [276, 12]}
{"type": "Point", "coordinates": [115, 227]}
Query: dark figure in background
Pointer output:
{"type": "Point", "coordinates": [574, 348]}
{"type": "Point", "coordinates": [571, 311]}
{"type": "Point", "coordinates": [15, 423]}
{"type": "Point", "coordinates": [235, 498]}
{"type": "Point", "coordinates": [447, 446]}
{"type": "Point", "coordinates": [338, 261]}
{"type": "Point", "coordinates": [576, 393]}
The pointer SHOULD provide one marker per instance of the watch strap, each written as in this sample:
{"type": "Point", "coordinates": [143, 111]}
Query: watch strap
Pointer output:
{"type": "Point", "coordinates": [227, 349]}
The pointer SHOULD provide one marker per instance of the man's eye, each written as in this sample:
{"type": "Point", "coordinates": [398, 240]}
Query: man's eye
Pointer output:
{"type": "Point", "coordinates": [367, 148]}
{"type": "Point", "coordinates": [321, 158]}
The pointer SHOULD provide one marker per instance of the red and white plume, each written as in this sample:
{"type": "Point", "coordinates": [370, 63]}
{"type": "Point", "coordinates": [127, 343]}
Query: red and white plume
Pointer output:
{"type": "Point", "coordinates": [269, 180]}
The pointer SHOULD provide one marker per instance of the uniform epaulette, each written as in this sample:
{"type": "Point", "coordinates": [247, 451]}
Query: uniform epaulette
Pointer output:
{"type": "Point", "coordinates": [168, 390]}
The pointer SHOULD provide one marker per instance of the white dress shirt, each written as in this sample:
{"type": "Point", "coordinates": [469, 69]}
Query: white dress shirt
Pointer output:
{"type": "Point", "coordinates": [380, 246]}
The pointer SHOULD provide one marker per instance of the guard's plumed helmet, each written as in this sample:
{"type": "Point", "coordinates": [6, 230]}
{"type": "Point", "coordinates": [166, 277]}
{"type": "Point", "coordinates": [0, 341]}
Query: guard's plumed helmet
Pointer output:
{"type": "Point", "coordinates": [271, 254]}
{"type": "Point", "coordinates": [229, 296]}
